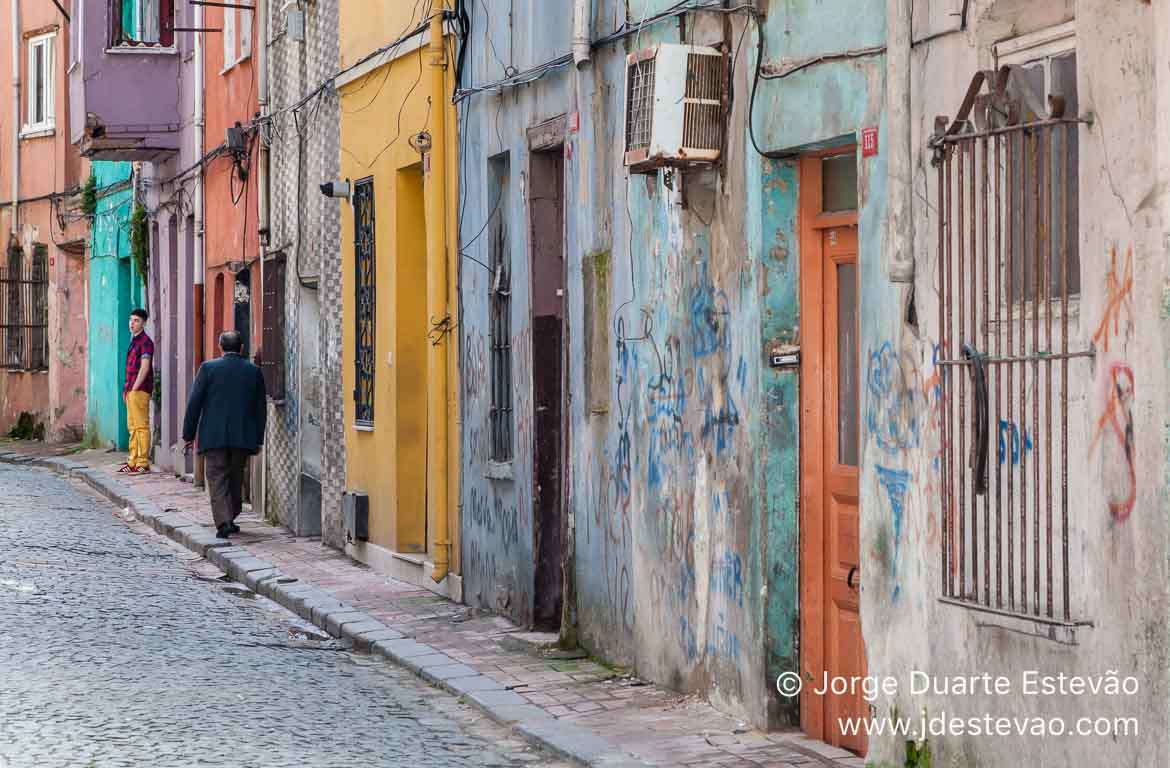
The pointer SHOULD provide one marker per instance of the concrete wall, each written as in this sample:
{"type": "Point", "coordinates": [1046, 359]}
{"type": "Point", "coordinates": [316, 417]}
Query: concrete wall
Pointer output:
{"type": "Point", "coordinates": [1119, 551]}
{"type": "Point", "coordinates": [48, 165]}
{"type": "Point", "coordinates": [115, 288]}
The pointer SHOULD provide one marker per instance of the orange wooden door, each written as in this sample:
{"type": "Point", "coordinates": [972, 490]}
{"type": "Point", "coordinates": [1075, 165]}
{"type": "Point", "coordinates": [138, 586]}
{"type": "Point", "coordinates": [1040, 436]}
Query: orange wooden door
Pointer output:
{"type": "Point", "coordinates": [830, 446]}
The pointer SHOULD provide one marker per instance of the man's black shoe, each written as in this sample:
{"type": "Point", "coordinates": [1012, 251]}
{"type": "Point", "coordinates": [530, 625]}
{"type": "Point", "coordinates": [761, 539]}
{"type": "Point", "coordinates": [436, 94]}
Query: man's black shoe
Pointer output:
{"type": "Point", "coordinates": [224, 531]}
{"type": "Point", "coordinates": [233, 528]}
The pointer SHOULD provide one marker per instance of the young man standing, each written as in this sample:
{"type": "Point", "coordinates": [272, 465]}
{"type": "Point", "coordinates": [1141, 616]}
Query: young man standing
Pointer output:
{"type": "Point", "coordinates": [136, 392]}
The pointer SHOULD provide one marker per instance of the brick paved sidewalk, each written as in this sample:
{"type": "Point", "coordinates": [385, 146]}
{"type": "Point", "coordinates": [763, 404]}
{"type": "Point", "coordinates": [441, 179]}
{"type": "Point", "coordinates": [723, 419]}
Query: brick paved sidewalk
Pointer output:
{"type": "Point", "coordinates": [649, 723]}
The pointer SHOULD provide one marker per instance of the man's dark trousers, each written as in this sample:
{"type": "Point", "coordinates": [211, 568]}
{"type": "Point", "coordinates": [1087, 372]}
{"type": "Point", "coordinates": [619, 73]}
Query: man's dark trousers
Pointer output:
{"type": "Point", "coordinates": [225, 469]}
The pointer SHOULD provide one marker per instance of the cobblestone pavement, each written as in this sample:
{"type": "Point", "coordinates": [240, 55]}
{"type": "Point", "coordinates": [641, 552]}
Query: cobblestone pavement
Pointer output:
{"type": "Point", "coordinates": [120, 649]}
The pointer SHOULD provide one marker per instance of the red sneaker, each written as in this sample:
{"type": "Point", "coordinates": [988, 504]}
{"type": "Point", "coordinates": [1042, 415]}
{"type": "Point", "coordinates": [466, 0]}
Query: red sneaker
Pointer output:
{"type": "Point", "coordinates": [141, 471]}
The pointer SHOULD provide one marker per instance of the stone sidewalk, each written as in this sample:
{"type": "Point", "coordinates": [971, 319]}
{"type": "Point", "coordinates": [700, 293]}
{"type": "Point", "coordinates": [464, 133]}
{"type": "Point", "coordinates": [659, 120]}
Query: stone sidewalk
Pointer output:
{"type": "Point", "coordinates": [574, 706]}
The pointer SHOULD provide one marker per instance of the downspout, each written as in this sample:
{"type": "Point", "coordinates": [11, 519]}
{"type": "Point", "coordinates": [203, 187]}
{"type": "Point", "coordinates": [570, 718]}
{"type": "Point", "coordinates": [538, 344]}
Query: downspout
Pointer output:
{"type": "Point", "coordinates": [899, 166]}
{"type": "Point", "coordinates": [262, 198]}
{"type": "Point", "coordinates": [437, 310]}
{"type": "Point", "coordinates": [16, 118]}
{"type": "Point", "coordinates": [197, 270]}
{"type": "Point", "coordinates": [582, 18]}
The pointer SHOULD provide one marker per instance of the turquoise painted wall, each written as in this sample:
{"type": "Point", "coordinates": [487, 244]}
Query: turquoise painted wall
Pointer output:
{"type": "Point", "coordinates": [115, 288]}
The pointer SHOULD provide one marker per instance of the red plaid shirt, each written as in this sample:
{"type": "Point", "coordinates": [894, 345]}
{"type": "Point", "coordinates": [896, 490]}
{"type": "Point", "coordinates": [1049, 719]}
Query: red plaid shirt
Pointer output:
{"type": "Point", "coordinates": [140, 346]}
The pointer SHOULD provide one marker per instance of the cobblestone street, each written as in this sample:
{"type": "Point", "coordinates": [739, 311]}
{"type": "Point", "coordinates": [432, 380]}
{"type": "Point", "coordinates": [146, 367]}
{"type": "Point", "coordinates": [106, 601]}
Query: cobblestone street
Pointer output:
{"type": "Point", "coordinates": [122, 649]}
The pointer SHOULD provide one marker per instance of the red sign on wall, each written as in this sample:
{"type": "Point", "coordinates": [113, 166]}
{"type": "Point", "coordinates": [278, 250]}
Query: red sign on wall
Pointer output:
{"type": "Point", "coordinates": [869, 142]}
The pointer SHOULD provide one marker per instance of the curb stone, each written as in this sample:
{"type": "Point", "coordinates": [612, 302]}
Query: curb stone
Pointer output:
{"type": "Point", "coordinates": [505, 707]}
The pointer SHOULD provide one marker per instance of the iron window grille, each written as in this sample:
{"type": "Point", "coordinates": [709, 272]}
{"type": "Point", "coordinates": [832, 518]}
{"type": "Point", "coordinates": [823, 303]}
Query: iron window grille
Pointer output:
{"type": "Point", "coordinates": [1006, 186]}
{"type": "Point", "coordinates": [24, 286]}
{"type": "Point", "coordinates": [272, 350]}
{"type": "Point", "coordinates": [364, 268]}
{"type": "Point", "coordinates": [501, 346]}
{"type": "Point", "coordinates": [640, 104]}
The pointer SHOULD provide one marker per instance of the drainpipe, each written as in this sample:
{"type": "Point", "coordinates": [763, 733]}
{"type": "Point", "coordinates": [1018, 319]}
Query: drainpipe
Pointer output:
{"type": "Point", "coordinates": [582, 17]}
{"type": "Point", "coordinates": [16, 118]}
{"type": "Point", "coordinates": [262, 196]}
{"type": "Point", "coordinates": [197, 276]}
{"type": "Point", "coordinates": [899, 166]}
{"type": "Point", "coordinates": [437, 309]}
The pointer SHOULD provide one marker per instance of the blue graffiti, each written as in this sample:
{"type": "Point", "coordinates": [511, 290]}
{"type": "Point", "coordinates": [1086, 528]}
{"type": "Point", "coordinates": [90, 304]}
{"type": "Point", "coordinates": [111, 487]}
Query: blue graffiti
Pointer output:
{"type": "Point", "coordinates": [896, 483]}
{"type": "Point", "coordinates": [666, 399]}
{"type": "Point", "coordinates": [719, 423]}
{"type": "Point", "coordinates": [1011, 432]}
{"type": "Point", "coordinates": [727, 577]}
{"type": "Point", "coordinates": [725, 644]}
{"type": "Point", "coordinates": [708, 312]}
{"type": "Point", "coordinates": [892, 412]}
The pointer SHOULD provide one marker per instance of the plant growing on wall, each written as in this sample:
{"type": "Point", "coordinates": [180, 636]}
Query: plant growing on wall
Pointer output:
{"type": "Point", "coordinates": [140, 241]}
{"type": "Point", "coordinates": [89, 196]}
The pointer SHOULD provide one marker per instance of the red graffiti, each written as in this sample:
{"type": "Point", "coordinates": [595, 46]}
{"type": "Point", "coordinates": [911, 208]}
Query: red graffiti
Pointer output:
{"type": "Point", "coordinates": [1118, 302]}
{"type": "Point", "coordinates": [1116, 424]}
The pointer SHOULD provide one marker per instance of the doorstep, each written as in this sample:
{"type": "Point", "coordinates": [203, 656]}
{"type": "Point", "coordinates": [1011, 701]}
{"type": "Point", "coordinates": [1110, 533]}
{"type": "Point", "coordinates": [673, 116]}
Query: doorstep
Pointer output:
{"type": "Point", "coordinates": [411, 568]}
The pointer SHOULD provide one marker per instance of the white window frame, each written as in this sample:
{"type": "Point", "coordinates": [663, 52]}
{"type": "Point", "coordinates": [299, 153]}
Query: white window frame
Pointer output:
{"type": "Point", "coordinates": [237, 37]}
{"type": "Point", "coordinates": [48, 43]}
{"type": "Point", "coordinates": [1037, 46]}
{"type": "Point", "coordinates": [229, 39]}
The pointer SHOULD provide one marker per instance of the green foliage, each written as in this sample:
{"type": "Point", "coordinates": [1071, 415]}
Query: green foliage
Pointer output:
{"type": "Point", "coordinates": [89, 196]}
{"type": "Point", "coordinates": [140, 241]}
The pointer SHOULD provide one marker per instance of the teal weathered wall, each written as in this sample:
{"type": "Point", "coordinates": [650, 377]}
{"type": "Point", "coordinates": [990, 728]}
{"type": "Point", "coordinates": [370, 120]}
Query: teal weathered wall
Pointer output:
{"type": "Point", "coordinates": [114, 289]}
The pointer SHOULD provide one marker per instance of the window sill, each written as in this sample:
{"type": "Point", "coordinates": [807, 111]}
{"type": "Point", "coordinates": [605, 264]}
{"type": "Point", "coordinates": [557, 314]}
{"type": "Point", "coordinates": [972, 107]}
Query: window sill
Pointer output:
{"type": "Point", "coordinates": [152, 50]}
{"type": "Point", "coordinates": [37, 132]}
{"type": "Point", "coordinates": [497, 470]}
{"type": "Point", "coordinates": [363, 426]}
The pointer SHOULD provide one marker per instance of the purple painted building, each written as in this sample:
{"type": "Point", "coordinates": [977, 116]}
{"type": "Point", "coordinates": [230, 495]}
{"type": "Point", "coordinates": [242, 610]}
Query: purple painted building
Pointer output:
{"type": "Point", "coordinates": [125, 99]}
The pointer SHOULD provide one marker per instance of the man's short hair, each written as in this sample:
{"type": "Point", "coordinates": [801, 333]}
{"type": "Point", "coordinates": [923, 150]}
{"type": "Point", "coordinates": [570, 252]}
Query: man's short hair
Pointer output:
{"type": "Point", "coordinates": [140, 312]}
{"type": "Point", "coordinates": [231, 341]}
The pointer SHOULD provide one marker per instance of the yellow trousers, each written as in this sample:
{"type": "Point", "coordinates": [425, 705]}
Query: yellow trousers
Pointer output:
{"type": "Point", "coordinates": [138, 422]}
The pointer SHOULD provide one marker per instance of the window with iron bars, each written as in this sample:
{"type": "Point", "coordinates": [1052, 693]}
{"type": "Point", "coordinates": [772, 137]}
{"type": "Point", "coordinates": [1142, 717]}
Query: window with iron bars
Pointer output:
{"type": "Point", "coordinates": [500, 322]}
{"type": "Point", "coordinates": [1008, 265]}
{"type": "Point", "coordinates": [272, 349]}
{"type": "Point", "coordinates": [24, 288]}
{"type": "Point", "coordinates": [364, 272]}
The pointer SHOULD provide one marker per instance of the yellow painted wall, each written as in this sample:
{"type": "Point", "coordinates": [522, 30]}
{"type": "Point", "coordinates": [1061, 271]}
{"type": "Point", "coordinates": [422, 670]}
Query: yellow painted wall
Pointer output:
{"type": "Point", "coordinates": [388, 462]}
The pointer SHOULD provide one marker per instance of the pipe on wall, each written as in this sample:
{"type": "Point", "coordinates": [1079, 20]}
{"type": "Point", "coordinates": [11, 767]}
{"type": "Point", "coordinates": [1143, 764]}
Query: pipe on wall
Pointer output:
{"type": "Point", "coordinates": [437, 310]}
{"type": "Point", "coordinates": [16, 118]}
{"type": "Point", "coordinates": [899, 165]}
{"type": "Point", "coordinates": [582, 21]}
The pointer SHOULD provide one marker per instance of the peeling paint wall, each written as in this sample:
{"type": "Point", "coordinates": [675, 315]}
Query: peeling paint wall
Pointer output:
{"type": "Point", "coordinates": [115, 288]}
{"type": "Point", "coordinates": [1117, 415]}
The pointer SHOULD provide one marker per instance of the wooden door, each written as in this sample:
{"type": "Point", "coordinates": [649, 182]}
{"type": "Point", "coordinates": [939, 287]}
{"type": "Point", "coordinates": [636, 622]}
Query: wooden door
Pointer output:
{"type": "Point", "coordinates": [830, 428]}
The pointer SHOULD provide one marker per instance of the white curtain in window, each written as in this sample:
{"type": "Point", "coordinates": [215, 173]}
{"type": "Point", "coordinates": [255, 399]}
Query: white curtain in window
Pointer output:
{"type": "Point", "coordinates": [148, 15]}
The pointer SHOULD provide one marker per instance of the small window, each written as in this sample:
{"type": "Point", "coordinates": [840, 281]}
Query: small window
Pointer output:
{"type": "Point", "coordinates": [142, 23]}
{"type": "Point", "coordinates": [364, 330]}
{"type": "Point", "coordinates": [839, 183]}
{"type": "Point", "coordinates": [272, 346]}
{"type": "Point", "coordinates": [237, 36]}
{"type": "Point", "coordinates": [500, 309]}
{"type": "Point", "coordinates": [42, 89]}
{"type": "Point", "coordinates": [24, 291]}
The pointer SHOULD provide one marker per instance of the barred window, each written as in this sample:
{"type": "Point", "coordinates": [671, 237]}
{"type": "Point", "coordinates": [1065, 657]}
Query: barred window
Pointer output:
{"type": "Point", "coordinates": [364, 272]}
{"type": "Point", "coordinates": [1007, 199]}
{"type": "Point", "coordinates": [24, 289]}
{"type": "Point", "coordinates": [500, 321]}
{"type": "Point", "coordinates": [272, 349]}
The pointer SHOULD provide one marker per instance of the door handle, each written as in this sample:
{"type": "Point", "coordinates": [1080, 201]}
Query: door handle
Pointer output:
{"type": "Point", "coordinates": [849, 578]}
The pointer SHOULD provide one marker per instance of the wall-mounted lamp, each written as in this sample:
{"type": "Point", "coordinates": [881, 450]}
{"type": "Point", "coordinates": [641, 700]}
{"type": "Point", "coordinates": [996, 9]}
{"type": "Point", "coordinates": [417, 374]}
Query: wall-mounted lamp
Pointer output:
{"type": "Point", "coordinates": [421, 142]}
{"type": "Point", "coordinates": [335, 189]}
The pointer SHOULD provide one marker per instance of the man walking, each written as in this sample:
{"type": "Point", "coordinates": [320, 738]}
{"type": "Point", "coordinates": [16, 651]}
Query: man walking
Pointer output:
{"type": "Point", "coordinates": [227, 408]}
{"type": "Point", "coordinates": [136, 393]}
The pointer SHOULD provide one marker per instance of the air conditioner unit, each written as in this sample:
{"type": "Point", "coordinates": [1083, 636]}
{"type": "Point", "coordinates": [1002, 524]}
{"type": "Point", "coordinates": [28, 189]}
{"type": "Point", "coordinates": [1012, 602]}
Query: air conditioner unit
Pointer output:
{"type": "Point", "coordinates": [675, 98]}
